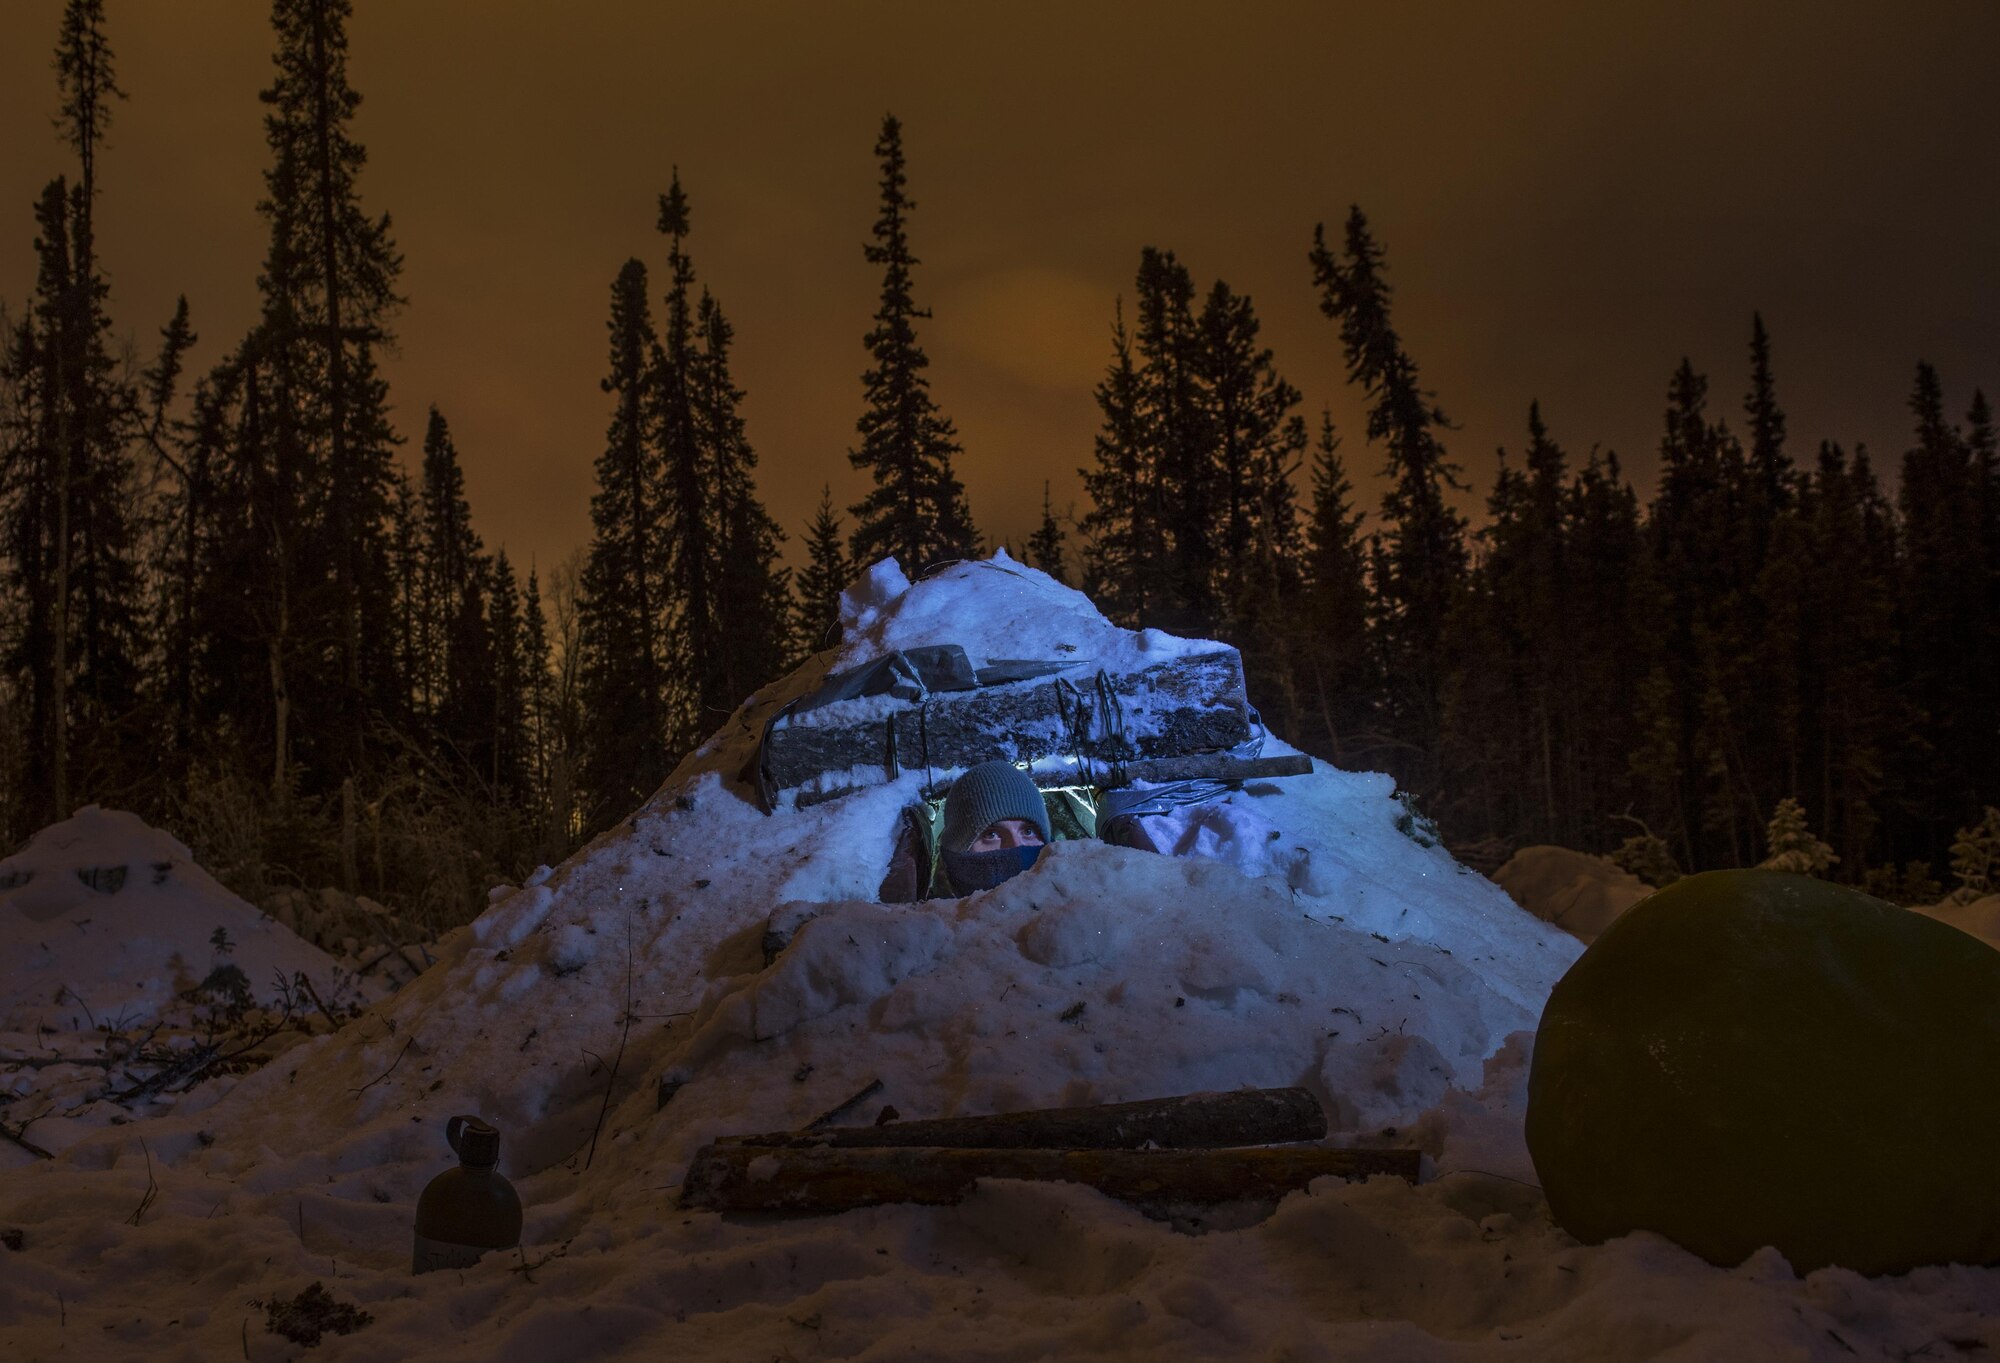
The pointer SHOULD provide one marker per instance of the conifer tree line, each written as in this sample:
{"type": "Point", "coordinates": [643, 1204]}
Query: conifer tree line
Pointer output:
{"type": "Point", "coordinates": [1584, 668]}
{"type": "Point", "coordinates": [234, 600]}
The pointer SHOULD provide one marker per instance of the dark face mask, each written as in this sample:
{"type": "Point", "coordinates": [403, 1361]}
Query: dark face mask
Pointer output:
{"type": "Point", "coordinates": [971, 871]}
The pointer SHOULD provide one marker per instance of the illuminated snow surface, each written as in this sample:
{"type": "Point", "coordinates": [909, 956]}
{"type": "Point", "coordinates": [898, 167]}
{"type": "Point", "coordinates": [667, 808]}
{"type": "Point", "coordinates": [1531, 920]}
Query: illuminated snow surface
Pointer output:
{"type": "Point", "coordinates": [1577, 892]}
{"type": "Point", "coordinates": [1394, 983]}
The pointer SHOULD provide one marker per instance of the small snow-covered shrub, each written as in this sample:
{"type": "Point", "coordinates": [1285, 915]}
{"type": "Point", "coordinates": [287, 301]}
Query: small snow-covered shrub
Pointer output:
{"type": "Point", "coordinates": [1792, 845]}
{"type": "Point", "coordinates": [1646, 856]}
{"type": "Point", "coordinates": [1975, 859]}
{"type": "Point", "coordinates": [1912, 885]}
{"type": "Point", "coordinates": [1414, 824]}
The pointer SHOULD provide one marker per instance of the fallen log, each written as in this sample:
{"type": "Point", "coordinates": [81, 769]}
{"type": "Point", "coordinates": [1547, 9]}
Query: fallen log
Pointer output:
{"type": "Point", "coordinates": [1161, 1183]}
{"type": "Point", "coordinates": [1191, 1121]}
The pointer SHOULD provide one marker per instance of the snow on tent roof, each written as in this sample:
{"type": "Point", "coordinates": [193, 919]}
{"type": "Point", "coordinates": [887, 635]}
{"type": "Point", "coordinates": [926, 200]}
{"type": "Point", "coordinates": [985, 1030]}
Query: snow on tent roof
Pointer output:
{"type": "Point", "coordinates": [991, 659]}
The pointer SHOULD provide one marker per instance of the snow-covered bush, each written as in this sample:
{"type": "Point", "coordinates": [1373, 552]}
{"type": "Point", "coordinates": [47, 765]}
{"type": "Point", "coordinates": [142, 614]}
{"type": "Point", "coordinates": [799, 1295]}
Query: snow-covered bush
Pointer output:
{"type": "Point", "coordinates": [1975, 858]}
{"type": "Point", "coordinates": [1792, 844]}
{"type": "Point", "coordinates": [1913, 885]}
{"type": "Point", "coordinates": [1646, 856]}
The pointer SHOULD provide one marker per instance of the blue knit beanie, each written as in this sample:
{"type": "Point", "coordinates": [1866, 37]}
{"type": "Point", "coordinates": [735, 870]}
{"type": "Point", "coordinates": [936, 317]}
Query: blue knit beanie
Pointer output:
{"type": "Point", "coordinates": [983, 796]}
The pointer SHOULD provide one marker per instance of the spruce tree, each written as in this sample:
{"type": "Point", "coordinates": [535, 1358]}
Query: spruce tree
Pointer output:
{"type": "Point", "coordinates": [187, 525]}
{"type": "Point", "coordinates": [458, 660]}
{"type": "Point", "coordinates": [621, 681]}
{"type": "Point", "coordinates": [1771, 477]}
{"type": "Point", "coordinates": [1507, 731]}
{"type": "Point", "coordinates": [1258, 440]}
{"type": "Point", "coordinates": [329, 287]}
{"type": "Point", "coordinates": [917, 511]}
{"type": "Point", "coordinates": [752, 590]}
{"type": "Point", "coordinates": [687, 512]}
{"type": "Point", "coordinates": [1046, 545]}
{"type": "Point", "coordinates": [1699, 551]}
{"type": "Point", "coordinates": [1177, 439]}
{"type": "Point", "coordinates": [1424, 553]}
{"type": "Point", "coordinates": [1337, 650]}
{"type": "Point", "coordinates": [538, 708]}
{"type": "Point", "coordinates": [1850, 712]}
{"type": "Point", "coordinates": [417, 635]}
{"type": "Point", "coordinates": [1611, 632]}
{"type": "Point", "coordinates": [69, 495]}
{"type": "Point", "coordinates": [1943, 600]}
{"type": "Point", "coordinates": [508, 738]}
{"type": "Point", "coordinates": [827, 573]}
{"type": "Point", "coordinates": [1791, 844]}
{"type": "Point", "coordinates": [1984, 447]}
{"type": "Point", "coordinates": [1122, 531]}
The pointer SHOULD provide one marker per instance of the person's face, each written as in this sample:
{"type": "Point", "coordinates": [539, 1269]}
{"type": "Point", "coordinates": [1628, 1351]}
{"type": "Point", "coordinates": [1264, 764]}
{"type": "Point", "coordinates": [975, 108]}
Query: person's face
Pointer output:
{"type": "Point", "coordinates": [1007, 833]}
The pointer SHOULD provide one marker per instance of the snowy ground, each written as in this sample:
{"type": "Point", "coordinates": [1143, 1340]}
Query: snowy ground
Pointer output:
{"type": "Point", "coordinates": [1584, 894]}
{"type": "Point", "coordinates": [1577, 892]}
{"type": "Point", "coordinates": [131, 975]}
{"type": "Point", "coordinates": [1356, 961]}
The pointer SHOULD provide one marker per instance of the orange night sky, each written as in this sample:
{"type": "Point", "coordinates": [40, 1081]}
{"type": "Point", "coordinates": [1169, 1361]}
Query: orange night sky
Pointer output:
{"type": "Point", "coordinates": [1572, 196]}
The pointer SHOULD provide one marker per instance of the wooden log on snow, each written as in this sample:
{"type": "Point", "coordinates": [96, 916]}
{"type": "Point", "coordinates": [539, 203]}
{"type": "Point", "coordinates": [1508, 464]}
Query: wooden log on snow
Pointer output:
{"type": "Point", "coordinates": [1192, 1121]}
{"type": "Point", "coordinates": [749, 1178]}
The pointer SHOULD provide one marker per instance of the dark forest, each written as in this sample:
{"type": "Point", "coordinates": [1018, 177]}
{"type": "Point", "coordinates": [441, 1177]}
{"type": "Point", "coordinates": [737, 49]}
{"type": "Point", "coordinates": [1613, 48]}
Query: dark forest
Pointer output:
{"type": "Point", "coordinates": [244, 604]}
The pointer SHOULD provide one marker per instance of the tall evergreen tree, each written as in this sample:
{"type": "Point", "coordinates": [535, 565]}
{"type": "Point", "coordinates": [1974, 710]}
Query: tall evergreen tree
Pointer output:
{"type": "Point", "coordinates": [1337, 652]}
{"type": "Point", "coordinates": [621, 681]}
{"type": "Point", "coordinates": [1424, 555]}
{"type": "Point", "coordinates": [69, 502]}
{"type": "Point", "coordinates": [1258, 442]}
{"type": "Point", "coordinates": [826, 576]}
{"type": "Point", "coordinates": [458, 654]}
{"type": "Point", "coordinates": [687, 494]}
{"type": "Point", "coordinates": [511, 688]}
{"type": "Point", "coordinates": [1611, 632]}
{"type": "Point", "coordinates": [329, 287]}
{"type": "Point", "coordinates": [1046, 545]}
{"type": "Point", "coordinates": [1771, 478]}
{"type": "Point", "coordinates": [1177, 440]}
{"type": "Point", "coordinates": [1983, 445]}
{"type": "Point", "coordinates": [1122, 531]}
{"type": "Point", "coordinates": [752, 591]}
{"type": "Point", "coordinates": [1943, 600]}
{"type": "Point", "coordinates": [1698, 551]}
{"type": "Point", "coordinates": [917, 510]}
{"type": "Point", "coordinates": [1849, 711]}
{"type": "Point", "coordinates": [546, 730]}
{"type": "Point", "coordinates": [1509, 724]}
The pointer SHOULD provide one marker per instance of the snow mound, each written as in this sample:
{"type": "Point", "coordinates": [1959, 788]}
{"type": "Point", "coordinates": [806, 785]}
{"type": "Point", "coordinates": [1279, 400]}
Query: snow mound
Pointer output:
{"type": "Point", "coordinates": [1104, 974]}
{"type": "Point", "coordinates": [1979, 917]}
{"type": "Point", "coordinates": [997, 609]}
{"type": "Point", "coordinates": [1579, 893]}
{"type": "Point", "coordinates": [103, 916]}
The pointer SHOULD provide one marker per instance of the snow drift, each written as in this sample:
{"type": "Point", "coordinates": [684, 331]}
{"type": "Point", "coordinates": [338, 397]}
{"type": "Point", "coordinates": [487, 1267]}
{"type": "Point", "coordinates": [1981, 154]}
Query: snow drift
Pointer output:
{"type": "Point", "coordinates": [1577, 892]}
{"type": "Point", "coordinates": [103, 917]}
